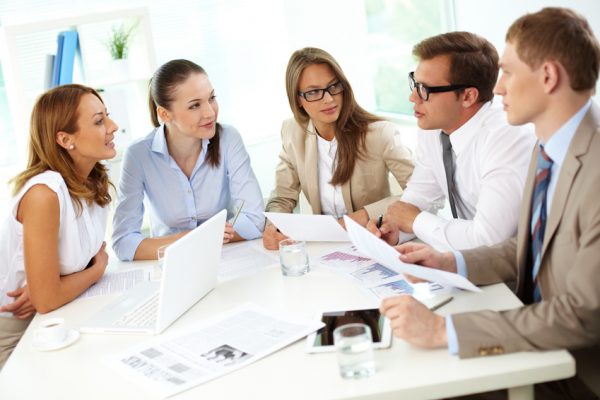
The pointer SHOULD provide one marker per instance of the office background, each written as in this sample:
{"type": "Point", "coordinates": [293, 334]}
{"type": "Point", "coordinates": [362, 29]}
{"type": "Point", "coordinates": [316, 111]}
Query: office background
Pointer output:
{"type": "Point", "coordinates": [244, 45]}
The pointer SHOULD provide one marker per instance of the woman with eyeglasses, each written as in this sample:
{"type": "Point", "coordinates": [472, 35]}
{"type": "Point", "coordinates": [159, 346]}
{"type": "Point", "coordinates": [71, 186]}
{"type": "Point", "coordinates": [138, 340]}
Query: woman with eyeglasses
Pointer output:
{"type": "Point", "coordinates": [185, 170]}
{"type": "Point", "coordinates": [335, 152]}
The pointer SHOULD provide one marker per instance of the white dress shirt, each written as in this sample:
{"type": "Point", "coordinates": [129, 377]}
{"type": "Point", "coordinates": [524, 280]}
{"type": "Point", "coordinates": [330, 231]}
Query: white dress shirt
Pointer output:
{"type": "Point", "coordinates": [79, 236]}
{"type": "Point", "coordinates": [491, 159]}
{"type": "Point", "coordinates": [332, 202]}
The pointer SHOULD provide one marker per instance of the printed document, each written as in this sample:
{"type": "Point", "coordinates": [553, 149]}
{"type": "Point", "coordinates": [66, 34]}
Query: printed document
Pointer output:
{"type": "Point", "coordinates": [243, 259]}
{"type": "Point", "coordinates": [376, 278]}
{"type": "Point", "coordinates": [117, 282]}
{"type": "Point", "coordinates": [371, 246]}
{"type": "Point", "coordinates": [171, 364]}
{"type": "Point", "coordinates": [309, 228]}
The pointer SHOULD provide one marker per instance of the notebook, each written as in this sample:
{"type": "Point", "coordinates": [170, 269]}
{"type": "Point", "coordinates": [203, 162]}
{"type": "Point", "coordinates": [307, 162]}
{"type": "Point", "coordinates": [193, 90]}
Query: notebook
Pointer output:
{"type": "Point", "coordinates": [189, 273]}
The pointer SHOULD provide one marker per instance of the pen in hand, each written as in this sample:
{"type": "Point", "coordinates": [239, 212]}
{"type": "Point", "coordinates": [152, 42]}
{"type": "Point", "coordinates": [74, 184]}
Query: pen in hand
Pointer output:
{"type": "Point", "coordinates": [379, 221]}
{"type": "Point", "coordinates": [237, 212]}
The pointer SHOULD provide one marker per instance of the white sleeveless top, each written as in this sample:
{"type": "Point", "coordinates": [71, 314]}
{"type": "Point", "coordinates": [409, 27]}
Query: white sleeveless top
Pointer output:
{"type": "Point", "coordinates": [79, 236]}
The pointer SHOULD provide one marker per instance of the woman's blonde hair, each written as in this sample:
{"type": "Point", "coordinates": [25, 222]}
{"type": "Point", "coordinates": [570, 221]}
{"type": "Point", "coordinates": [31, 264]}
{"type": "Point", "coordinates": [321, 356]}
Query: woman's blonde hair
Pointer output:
{"type": "Point", "coordinates": [54, 111]}
{"type": "Point", "coordinates": [352, 124]}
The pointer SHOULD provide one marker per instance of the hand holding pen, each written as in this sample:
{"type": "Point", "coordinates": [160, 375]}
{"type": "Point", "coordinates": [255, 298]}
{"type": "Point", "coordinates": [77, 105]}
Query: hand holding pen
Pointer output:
{"type": "Point", "coordinates": [229, 234]}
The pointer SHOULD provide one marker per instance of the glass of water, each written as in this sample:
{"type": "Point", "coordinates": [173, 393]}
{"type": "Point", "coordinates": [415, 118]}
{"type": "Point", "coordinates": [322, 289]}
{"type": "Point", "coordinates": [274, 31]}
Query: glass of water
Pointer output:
{"type": "Point", "coordinates": [354, 347]}
{"type": "Point", "coordinates": [160, 256]}
{"type": "Point", "coordinates": [293, 257]}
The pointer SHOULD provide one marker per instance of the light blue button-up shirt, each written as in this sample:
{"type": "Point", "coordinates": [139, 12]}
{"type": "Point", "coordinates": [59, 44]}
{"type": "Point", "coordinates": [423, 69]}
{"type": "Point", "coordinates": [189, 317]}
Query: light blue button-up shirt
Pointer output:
{"type": "Point", "coordinates": [150, 177]}
{"type": "Point", "coordinates": [556, 148]}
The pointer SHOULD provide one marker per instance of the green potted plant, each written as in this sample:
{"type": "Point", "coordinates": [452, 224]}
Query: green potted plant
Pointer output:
{"type": "Point", "coordinates": [118, 44]}
{"type": "Point", "coordinates": [119, 41]}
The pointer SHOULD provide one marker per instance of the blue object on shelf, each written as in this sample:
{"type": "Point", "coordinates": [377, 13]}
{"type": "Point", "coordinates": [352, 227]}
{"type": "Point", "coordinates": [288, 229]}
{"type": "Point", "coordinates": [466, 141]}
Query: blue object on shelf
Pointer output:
{"type": "Point", "coordinates": [67, 47]}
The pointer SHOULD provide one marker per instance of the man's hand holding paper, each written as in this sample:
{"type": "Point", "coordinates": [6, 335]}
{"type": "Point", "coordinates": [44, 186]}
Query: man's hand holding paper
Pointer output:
{"type": "Point", "coordinates": [443, 271]}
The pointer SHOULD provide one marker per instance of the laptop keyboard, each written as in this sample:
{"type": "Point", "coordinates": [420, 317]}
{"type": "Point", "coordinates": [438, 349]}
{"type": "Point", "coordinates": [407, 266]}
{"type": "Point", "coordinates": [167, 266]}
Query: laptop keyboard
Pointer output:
{"type": "Point", "coordinates": [143, 316]}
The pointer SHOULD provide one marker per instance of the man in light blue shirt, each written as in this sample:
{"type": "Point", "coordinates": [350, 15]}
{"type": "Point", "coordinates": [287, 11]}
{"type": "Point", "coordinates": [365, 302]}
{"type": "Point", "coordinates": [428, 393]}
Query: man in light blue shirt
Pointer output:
{"type": "Point", "coordinates": [555, 257]}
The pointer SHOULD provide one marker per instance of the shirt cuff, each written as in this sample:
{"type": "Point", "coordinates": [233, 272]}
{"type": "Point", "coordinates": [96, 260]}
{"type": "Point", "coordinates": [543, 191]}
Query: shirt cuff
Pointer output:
{"type": "Point", "coordinates": [451, 335]}
{"type": "Point", "coordinates": [461, 265]}
{"type": "Point", "coordinates": [429, 228]}
{"type": "Point", "coordinates": [246, 228]}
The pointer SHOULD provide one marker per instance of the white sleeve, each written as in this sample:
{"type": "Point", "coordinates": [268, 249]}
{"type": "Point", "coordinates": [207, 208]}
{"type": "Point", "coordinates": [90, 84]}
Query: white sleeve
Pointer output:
{"type": "Point", "coordinates": [504, 164]}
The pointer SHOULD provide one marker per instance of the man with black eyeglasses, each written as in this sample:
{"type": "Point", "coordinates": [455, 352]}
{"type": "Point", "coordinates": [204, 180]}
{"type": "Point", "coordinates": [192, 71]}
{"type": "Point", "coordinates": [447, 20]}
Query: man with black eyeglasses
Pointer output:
{"type": "Point", "coordinates": [466, 150]}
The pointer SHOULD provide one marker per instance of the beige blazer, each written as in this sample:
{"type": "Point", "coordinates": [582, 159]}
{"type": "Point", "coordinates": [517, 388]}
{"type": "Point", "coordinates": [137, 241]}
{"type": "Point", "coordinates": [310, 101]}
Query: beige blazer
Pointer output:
{"type": "Point", "coordinates": [569, 276]}
{"type": "Point", "coordinates": [368, 187]}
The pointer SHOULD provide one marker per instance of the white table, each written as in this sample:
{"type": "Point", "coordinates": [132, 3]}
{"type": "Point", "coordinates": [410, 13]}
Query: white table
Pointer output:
{"type": "Point", "coordinates": [403, 371]}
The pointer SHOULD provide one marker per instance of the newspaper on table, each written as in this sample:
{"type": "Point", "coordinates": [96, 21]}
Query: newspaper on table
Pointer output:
{"type": "Point", "coordinates": [375, 278]}
{"type": "Point", "coordinates": [172, 364]}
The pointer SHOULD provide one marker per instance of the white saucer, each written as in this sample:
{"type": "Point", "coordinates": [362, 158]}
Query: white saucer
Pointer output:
{"type": "Point", "coordinates": [72, 337]}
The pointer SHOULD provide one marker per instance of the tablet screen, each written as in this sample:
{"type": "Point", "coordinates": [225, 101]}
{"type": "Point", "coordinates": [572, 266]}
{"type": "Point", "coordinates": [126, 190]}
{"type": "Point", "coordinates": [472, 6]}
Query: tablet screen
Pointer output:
{"type": "Point", "coordinates": [371, 317]}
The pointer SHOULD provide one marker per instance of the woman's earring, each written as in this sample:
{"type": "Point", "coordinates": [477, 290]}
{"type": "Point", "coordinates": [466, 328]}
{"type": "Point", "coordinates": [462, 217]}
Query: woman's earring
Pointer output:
{"type": "Point", "coordinates": [71, 147]}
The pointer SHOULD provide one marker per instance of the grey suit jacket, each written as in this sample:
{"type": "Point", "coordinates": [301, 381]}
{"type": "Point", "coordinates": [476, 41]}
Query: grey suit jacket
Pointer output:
{"type": "Point", "coordinates": [369, 185]}
{"type": "Point", "coordinates": [569, 275]}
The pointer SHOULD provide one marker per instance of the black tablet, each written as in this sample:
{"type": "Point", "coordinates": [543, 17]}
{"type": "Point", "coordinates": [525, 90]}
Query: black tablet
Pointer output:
{"type": "Point", "coordinates": [322, 340]}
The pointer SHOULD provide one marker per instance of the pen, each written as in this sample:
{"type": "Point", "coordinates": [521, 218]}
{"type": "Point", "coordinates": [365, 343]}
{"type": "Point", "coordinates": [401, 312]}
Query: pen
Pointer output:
{"type": "Point", "coordinates": [237, 212]}
{"type": "Point", "coordinates": [443, 303]}
{"type": "Point", "coordinates": [379, 221]}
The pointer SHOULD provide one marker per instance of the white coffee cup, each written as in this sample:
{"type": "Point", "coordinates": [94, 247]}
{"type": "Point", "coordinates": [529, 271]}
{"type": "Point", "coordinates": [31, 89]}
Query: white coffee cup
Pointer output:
{"type": "Point", "coordinates": [50, 332]}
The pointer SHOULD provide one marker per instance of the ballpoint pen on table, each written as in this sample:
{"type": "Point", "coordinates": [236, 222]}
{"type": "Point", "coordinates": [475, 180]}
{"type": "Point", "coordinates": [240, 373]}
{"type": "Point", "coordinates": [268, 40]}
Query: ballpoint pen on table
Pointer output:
{"type": "Point", "coordinates": [443, 303]}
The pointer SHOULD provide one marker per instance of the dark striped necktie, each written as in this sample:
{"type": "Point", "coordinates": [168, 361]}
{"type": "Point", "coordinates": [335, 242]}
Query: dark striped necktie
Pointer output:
{"type": "Point", "coordinates": [538, 216]}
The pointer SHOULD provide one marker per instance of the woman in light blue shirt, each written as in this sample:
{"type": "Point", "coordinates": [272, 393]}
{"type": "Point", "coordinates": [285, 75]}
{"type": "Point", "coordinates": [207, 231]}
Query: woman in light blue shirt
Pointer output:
{"type": "Point", "coordinates": [186, 170]}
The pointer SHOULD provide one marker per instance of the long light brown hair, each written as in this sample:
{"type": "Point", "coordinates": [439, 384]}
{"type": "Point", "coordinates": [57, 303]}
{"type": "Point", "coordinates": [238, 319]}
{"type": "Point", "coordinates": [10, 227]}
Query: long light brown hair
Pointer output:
{"type": "Point", "coordinates": [353, 123]}
{"type": "Point", "coordinates": [55, 111]}
{"type": "Point", "coordinates": [161, 93]}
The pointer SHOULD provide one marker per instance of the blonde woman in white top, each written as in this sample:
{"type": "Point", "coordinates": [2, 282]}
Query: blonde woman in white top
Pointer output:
{"type": "Point", "coordinates": [51, 244]}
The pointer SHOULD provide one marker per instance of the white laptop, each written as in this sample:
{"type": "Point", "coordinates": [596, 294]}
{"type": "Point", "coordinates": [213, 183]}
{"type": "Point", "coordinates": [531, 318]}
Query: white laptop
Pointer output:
{"type": "Point", "coordinates": [189, 273]}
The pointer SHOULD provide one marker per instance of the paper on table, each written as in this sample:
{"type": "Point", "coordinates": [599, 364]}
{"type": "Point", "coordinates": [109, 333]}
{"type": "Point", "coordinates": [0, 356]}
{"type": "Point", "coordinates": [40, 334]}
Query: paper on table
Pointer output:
{"type": "Point", "coordinates": [310, 228]}
{"type": "Point", "coordinates": [244, 258]}
{"type": "Point", "coordinates": [177, 362]}
{"type": "Point", "coordinates": [378, 250]}
{"type": "Point", "coordinates": [378, 279]}
{"type": "Point", "coordinates": [117, 282]}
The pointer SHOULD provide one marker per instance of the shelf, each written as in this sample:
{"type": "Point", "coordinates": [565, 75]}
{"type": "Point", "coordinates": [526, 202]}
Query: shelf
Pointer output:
{"type": "Point", "coordinates": [92, 26]}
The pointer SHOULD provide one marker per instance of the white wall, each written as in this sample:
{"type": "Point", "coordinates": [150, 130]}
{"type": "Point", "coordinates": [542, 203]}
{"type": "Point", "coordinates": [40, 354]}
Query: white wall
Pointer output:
{"type": "Point", "coordinates": [492, 19]}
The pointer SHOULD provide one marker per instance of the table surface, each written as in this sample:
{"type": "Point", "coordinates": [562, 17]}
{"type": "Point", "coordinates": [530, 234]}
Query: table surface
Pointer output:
{"type": "Point", "coordinates": [403, 371]}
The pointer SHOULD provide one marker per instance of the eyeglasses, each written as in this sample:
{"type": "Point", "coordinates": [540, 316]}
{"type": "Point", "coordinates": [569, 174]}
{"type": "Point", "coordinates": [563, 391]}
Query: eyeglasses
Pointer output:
{"type": "Point", "coordinates": [424, 91]}
{"type": "Point", "coordinates": [318, 94]}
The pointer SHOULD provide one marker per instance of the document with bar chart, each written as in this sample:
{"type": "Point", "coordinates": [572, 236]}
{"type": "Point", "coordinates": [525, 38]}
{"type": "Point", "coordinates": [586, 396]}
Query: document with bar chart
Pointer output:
{"type": "Point", "coordinates": [376, 278]}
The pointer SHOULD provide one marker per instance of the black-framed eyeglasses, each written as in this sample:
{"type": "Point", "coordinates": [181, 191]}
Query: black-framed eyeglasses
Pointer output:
{"type": "Point", "coordinates": [318, 94]}
{"type": "Point", "coordinates": [424, 91]}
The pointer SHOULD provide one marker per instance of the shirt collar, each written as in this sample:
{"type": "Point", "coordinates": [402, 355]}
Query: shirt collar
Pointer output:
{"type": "Point", "coordinates": [557, 146]}
{"type": "Point", "coordinates": [159, 142]}
{"type": "Point", "coordinates": [462, 137]}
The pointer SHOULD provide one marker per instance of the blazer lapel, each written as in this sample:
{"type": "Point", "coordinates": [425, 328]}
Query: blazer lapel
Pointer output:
{"type": "Point", "coordinates": [579, 146]}
{"type": "Point", "coordinates": [311, 168]}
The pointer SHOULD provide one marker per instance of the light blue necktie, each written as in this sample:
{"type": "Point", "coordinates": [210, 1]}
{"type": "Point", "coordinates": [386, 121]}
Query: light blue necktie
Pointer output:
{"type": "Point", "coordinates": [538, 216]}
